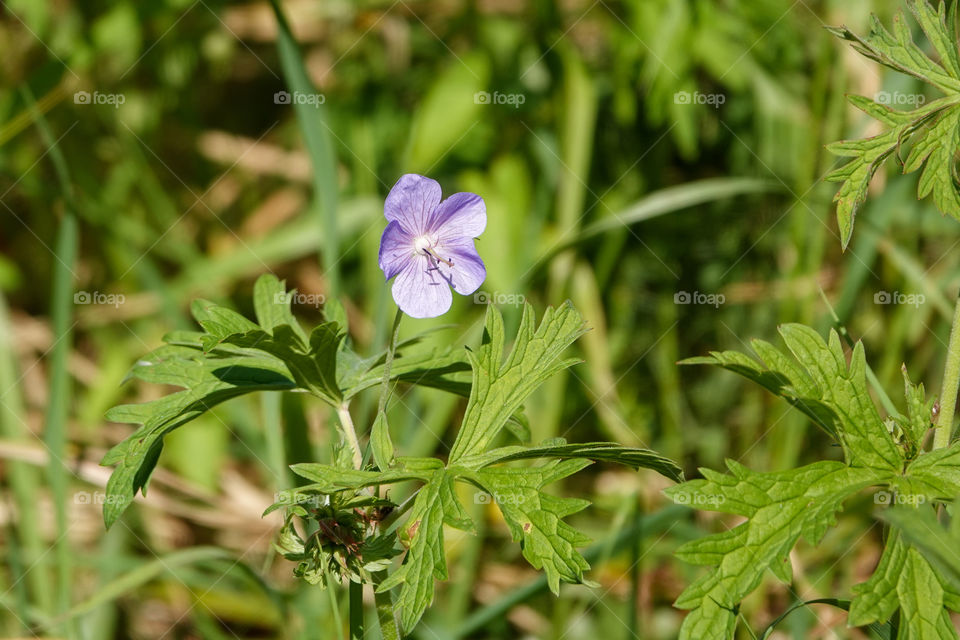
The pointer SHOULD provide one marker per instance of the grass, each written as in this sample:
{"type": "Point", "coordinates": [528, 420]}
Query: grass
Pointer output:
{"type": "Point", "coordinates": [601, 187]}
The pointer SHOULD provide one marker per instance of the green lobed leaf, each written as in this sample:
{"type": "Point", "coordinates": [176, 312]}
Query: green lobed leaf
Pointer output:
{"type": "Point", "coordinates": [876, 599]}
{"type": "Point", "coordinates": [207, 381]}
{"type": "Point", "coordinates": [780, 507]}
{"type": "Point", "coordinates": [444, 369]}
{"type": "Point", "coordinates": [938, 544]}
{"type": "Point", "coordinates": [818, 381]}
{"type": "Point", "coordinates": [855, 176]}
{"type": "Point", "coordinates": [435, 505]}
{"type": "Point", "coordinates": [271, 303]}
{"type": "Point", "coordinates": [905, 578]}
{"type": "Point", "coordinates": [312, 366]}
{"type": "Point", "coordinates": [922, 614]}
{"type": "Point", "coordinates": [535, 518]}
{"type": "Point", "coordinates": [934, 125]}
{"type": "Point", "coordinates": [935, 149]}
{"type": "Point", "coordinates": [500, 387]}
{"type": "Point", "coordinates": [933, 475]}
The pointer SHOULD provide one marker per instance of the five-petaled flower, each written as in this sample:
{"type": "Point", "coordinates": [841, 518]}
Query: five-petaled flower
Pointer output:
{"type": "Point", "coordinates": [428, 245]}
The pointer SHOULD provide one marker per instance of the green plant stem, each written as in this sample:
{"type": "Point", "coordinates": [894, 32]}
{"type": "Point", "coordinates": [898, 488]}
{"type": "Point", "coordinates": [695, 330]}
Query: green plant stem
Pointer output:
{"type": "Point", "coordinates": [951, 383]}
{"type": "Point", "coordinates": [356, 611]}
{"type": "Point", "coordinates": [386, 617]}
{"type": "Point", "coordinates": [384, 601]}
{"type": "Point", "coordinates": [350, 433]}
{"type": "Point", "coordinates": [334, 603]}
{"type": "Point", "coordinates": [355, 589]}
{"type": "Point", "coordinates": [388, 363]}
{"type": "Point", "coordinates": [357, 630]}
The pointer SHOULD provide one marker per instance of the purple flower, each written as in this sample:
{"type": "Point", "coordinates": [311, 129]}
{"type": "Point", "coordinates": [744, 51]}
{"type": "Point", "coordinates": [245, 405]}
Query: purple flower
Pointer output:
{"type": "Point", "coordinates": [428, 245]}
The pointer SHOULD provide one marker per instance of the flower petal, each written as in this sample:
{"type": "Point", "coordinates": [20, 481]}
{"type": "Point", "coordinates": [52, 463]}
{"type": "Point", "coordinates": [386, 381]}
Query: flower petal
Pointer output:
{"type": "Point", "coordinates": [421, 291]}
{"type": "Point", "coordinates": [411, 202]}
{"type": "Point", "coordinates": [468, 272]}
{"type": "Point", "coordinates": [462, 214]}
{"type": "Point", "coordinates": [396, 249]}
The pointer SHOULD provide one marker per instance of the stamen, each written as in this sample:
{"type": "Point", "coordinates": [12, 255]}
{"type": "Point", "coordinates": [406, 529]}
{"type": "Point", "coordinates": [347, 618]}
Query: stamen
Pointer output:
{"type": "Point", "coordinates": [433, 253]}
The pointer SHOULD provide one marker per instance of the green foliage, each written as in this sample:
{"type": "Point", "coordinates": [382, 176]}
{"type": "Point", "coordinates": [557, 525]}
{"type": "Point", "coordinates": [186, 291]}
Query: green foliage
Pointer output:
{"type": "Point", "coordinates": [234, 356]}
{"type": "Point", "coordinates": [934, 128]}
{"type": "Point", "coordinates": [783, 506]}
{"type": "Point", "coordinates": [500, 387]}
{"type": "Point", "coordinates": [207, 379]}
{"type": "Point", "coordinates": [435, 505]}
{"type": "Point", "coordinates": [352, 536]}
{"type": "Point", "coordinates": [937, 543]}
{"type": "Point", "coordinates": [535, 518]}
{"type": "Point", "coordinates": [818, 381]}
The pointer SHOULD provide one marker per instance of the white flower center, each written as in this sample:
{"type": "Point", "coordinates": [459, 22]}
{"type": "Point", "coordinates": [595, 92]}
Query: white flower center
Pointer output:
{"type": "Point", "coordinates": [421, 245]}
{"type": "Point", "coordinates": [424, 246]}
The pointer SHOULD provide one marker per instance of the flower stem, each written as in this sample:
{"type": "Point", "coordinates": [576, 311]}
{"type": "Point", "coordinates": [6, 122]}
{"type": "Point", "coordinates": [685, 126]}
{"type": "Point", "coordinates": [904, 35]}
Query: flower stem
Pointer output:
{"type": "Point", "coordinates": [385, 616]}
{"type": "Point", "coordinates": [391, 348]}
{"type": "Point", "coordinates": [951, 383]}
{"type": "Point", "coordinates": [350, 433]}
{"type": "Point", "coordinates": [356, 611]}
{"type": "Point", "coordinates": [355, 589]}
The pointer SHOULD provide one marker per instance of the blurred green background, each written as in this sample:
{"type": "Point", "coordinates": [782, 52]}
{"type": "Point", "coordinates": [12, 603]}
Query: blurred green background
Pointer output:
{"type": "Point", "coordinates": [658, 162]}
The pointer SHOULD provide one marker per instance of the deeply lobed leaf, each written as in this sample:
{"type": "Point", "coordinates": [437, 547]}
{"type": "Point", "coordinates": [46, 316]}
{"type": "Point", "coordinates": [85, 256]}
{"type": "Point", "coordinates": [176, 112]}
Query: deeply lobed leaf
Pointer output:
{"type": "Point", "coordinates": [499, 387]}
{"type": "Point", "coordinates": [781, 507]}
{"type": "Point", "coordinates": [818, 381]}
{"type": "Point", "coordinates": [934, 126]}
